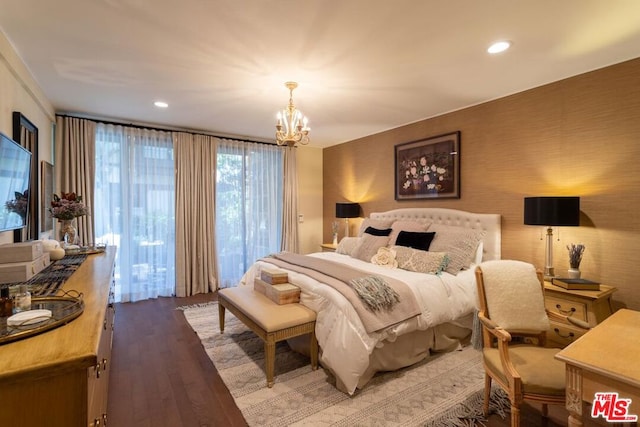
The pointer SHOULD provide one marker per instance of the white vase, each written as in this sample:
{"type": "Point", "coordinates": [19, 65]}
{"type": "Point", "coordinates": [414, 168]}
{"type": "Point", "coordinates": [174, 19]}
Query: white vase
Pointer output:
{"type": "Point", "coordinates": [573, 273]}
{"type": "Point", "coordinates": [335, 239]}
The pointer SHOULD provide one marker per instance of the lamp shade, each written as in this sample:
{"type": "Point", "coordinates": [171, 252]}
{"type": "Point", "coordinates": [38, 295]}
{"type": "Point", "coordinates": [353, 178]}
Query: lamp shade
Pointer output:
{"type": "Point", "coordinates": [347, 210]}
{"type": "Point", "coordinates": [552, 211]}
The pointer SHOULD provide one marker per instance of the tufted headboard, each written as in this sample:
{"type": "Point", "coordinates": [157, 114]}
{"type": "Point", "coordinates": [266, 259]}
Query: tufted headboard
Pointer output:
{"type": "Point", "coordinates": [490, 223]}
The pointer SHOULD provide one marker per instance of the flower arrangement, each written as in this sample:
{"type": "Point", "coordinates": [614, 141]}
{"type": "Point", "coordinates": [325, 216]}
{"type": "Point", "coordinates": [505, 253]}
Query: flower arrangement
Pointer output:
{"type": "Point", "coordinates": [67, 207]}
{"type": "Point", "coordinates": [20, 204]}
{"type": "Point", "coordinates": [575, 254]}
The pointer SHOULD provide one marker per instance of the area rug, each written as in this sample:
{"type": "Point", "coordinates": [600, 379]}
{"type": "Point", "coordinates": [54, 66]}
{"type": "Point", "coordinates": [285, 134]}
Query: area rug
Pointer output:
{"type": "Point", "coordinates": [445, 390]}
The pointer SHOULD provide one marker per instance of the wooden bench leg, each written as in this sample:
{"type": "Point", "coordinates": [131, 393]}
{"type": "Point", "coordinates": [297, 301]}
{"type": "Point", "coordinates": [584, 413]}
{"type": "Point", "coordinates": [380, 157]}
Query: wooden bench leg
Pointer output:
{"type": "Point", "coordinates": [314, 351]}
{"type": "Point", "coordinates": [221, 316]}
{"type": "Point", "coordinates": [270, 358]}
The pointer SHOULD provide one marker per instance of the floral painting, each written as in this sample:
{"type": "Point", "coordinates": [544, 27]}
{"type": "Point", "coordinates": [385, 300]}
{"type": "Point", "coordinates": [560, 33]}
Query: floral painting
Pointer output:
{"type": "Point", "coordinates": [428, 168]}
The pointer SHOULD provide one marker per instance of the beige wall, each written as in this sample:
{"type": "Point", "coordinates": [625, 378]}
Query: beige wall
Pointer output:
{"type": "Point", "coordinates": [20, 92]}
{"type": "Point", "coordinates": [309, 198]}
{"type": "Point", "coordinates": [579, 136]}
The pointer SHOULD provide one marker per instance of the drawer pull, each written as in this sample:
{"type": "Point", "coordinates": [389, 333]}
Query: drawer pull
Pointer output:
{"type": "Point", "coordinates": [96, 422]}
{"type": "Point", "coordinates": [97, 368]}
{"type": "Point", "coordinates": [570, 335]}
{"type": "Point", "coordinates": [104, 364]}
{"type": "Point", "coordinates": [565, 312]}
{"type": "Point", "coordinates": [104, 420]}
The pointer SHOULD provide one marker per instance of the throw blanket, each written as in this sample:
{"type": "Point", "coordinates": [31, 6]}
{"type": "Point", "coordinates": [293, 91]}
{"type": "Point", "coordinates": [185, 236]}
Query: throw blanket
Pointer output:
{"type": "Point", "coordinates": [338, 276]}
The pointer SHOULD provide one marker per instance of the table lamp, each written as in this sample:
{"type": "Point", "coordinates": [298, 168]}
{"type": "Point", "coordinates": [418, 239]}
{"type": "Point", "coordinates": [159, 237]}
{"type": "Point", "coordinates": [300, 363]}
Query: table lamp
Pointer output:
{"type": "Point", "coordinates": [346, 211]}
{"type": "Point", "coordinates": [551, 212]}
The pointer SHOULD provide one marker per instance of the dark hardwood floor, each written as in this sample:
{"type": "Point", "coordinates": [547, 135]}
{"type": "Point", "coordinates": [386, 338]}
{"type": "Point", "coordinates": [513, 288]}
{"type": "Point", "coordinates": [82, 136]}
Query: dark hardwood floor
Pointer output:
{"type": "Point", "coordinates": [161, 375]}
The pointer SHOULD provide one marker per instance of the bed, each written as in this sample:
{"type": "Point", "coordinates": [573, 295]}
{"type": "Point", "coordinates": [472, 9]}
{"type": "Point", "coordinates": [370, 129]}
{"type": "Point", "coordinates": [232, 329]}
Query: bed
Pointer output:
{"type": "Point", "coordinates": [441, 279]}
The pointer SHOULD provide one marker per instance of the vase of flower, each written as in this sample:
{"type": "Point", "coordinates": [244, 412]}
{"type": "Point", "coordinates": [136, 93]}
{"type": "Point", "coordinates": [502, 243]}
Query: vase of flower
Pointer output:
{"type": "Point", "coordinates": [68, 232]}
{"type": "Point", "coordinates": [575, 257]}
{"type": "Point", "coordinates": [66, 209]}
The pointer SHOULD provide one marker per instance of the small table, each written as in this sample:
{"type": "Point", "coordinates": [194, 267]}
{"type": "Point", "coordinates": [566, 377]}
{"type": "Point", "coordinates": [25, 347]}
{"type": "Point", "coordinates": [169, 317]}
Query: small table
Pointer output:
{"type": "Point", "coordinates": [328, 247]}
{"type": "Point", "coordinates": [604, 360]}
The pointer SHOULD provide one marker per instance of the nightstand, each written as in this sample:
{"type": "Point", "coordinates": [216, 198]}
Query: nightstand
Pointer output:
{"type": "Point", "coordinates": [328, 247]}
{"type": "Point", "coordinates": [590, 306]}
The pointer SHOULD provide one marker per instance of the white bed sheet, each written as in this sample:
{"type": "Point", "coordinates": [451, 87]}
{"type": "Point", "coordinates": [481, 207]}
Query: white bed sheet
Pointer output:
{"type": "Point", "coordinates": [346, 346]}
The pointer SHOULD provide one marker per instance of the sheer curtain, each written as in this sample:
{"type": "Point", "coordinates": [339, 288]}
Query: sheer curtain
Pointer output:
{"type": "Point", "coordinates": [249, 196]}
{"type": "Point", "coordinates": [135, 208]}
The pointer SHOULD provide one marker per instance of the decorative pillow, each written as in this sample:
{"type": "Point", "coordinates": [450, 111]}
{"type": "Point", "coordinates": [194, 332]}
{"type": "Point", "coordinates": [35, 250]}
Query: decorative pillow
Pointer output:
{"type": "Point", "coordinates": [406, 225]}
{"type": "Point", "coordinates": [514, 295]}
{"type": "Point", "coordinates": [377, 231]}
{"type": "Point", "coordinates": [369, 246]}
{"type": "Point", "coordinates": [385, 257]}
{"type": "Point", "coordinates": [375, 223]}
{"type": "Point", "coordinates": [420, 261]}
{"type": "Point", "coordinates": [347, 245]}
{"type": "Point", "coordinates": [459, 243]}
{"type": "Point", "coordinates": [415, 239]}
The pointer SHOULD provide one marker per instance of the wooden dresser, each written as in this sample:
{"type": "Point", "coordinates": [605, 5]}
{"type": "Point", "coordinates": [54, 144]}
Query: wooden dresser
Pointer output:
{"type": "Point", "coordinates": [60, 378]}
{"type": "Point", "coordinates": [590, 306]}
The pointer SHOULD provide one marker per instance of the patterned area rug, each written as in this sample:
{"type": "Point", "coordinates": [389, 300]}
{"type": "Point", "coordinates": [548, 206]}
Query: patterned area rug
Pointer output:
{"type": "Point", "coordinates": [445, 390]}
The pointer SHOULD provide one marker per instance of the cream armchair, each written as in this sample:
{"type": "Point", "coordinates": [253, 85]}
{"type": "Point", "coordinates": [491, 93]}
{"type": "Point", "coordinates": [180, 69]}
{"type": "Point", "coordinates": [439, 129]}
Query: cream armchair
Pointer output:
{"type": "Point", "coordinates": [514, 324]}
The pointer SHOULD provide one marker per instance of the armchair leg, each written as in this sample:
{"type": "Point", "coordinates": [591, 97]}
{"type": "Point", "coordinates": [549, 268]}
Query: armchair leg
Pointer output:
{"type": "Point", "coordinates": [487, 395]}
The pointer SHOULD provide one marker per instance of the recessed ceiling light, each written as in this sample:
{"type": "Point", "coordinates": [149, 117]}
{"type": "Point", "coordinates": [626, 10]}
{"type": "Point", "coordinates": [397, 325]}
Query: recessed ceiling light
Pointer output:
{"type": "Point", "coordinates": [161, 104]}
{"type": "Point", "coordinates": [498, 47]}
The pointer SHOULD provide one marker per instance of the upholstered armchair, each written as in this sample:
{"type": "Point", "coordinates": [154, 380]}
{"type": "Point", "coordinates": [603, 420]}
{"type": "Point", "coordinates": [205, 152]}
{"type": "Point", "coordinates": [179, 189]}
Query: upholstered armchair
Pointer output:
{"type": "Point", "coordinates": [514, 324]}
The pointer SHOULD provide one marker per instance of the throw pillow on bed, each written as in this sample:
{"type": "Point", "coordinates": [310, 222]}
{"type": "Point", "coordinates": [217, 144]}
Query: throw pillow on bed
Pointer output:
{"type": "Point", "coordinates": [347, 245]}
{"type": "Point", "coordinates": [459, 243]}
{"type": "Point", "coordinates": [375, 223]}
{"type": "Point", "coordinates": [415, 239]}
{"type": "Point", "coordinates": [368, 246]}
{"type": "Point", "coordinates": [385, 257]}
{"type": "Point", "coordinates": [406, 225]}
{"type": "Point", "coordinates": [420, 261]}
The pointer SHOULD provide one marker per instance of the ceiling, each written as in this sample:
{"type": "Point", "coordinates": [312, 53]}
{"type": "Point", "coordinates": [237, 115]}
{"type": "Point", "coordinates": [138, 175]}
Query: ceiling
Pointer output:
{"type": "Point", "coordinates": [363, 66]}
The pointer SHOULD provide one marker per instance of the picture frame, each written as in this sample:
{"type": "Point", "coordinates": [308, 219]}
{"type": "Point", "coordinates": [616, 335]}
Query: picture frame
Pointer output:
{"type": "Point", "coordinates": [428, 168]}
{"type": "Point", "coordinates": [46, 195]}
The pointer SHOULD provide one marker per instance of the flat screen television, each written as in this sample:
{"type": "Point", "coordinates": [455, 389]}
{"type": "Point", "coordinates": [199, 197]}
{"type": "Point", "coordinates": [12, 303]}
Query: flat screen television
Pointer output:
{"type": "Point", "coordinates": [15, 170]}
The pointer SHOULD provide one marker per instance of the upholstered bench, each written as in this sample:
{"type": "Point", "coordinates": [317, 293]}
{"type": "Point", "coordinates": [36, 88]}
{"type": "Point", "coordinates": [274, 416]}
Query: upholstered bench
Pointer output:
{"type": "Point", "coordinates": [270, 321]}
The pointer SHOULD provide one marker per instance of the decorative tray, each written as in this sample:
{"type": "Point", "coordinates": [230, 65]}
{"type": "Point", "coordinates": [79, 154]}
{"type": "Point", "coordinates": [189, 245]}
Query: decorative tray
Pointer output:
{"type": "Point", "coordinates": [63, 309]}
{"type": "Point", "coordinates": [87, 250]}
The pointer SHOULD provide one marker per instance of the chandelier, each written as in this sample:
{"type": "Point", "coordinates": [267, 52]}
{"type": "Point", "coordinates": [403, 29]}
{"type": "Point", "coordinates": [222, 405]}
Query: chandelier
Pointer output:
{"type": "Point", "coordinates": [291, 127]}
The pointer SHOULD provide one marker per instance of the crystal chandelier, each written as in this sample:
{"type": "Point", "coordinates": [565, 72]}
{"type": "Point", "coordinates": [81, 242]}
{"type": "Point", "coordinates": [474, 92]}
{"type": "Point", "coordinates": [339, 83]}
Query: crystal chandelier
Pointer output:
{"type": "Point", "coordinates": [291, 127]}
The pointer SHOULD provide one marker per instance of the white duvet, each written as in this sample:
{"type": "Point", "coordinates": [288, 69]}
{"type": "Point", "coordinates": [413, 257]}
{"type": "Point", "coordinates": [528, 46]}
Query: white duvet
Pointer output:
{"type": "Point", "coordinates": [345, 344]}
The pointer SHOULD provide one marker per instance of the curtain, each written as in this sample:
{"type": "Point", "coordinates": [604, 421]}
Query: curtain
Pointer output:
{"type": "Point", "coordinates": [249, 198]}
{"type": "Point", "coordinates": [75, 167]}
{"type": "Point", "coordinates": [290, 204]}
{"type": "Point", "coordinates": [135, 208]}
{"type": "Point", "coordinates": [195, 213]}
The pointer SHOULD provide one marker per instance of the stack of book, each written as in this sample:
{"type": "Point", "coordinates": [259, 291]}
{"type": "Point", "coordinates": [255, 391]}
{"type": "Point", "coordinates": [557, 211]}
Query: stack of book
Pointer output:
{"type": "Point", "coordinates": [576, 284]}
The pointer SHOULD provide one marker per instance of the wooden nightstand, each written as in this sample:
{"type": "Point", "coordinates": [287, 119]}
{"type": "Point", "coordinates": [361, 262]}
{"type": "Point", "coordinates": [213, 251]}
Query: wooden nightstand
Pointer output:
{"type": "Point", "coordinates": [328, 247]}
{"type": "Point", "coordinates": [591, 306]}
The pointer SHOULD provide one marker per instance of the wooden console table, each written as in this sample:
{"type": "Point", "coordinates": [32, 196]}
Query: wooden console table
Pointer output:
{"type": "Point", "coordinates": [604, 360]}
{"type": "Point", "coordinates": [60, 378]}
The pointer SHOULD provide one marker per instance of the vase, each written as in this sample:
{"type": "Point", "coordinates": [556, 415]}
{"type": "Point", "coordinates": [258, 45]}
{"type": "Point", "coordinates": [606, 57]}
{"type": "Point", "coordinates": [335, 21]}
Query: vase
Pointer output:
{"type": "Point", "coordinates": [574, 273]}
{"type": "Point", "coordinates": [335, 239]}
{"type": "Point", "coordinates": [68, 232]}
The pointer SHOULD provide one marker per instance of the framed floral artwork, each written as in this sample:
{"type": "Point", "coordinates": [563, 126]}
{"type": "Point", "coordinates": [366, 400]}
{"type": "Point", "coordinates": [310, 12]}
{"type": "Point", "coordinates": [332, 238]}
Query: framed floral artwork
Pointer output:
{"type": "Point", "coordinates": [428, 168]}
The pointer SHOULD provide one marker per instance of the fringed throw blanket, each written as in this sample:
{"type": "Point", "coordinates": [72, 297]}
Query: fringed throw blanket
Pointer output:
{"type": "Point", "coordinates": [380, 301]}
{"type": "Point", "coordinates": [375, 292]}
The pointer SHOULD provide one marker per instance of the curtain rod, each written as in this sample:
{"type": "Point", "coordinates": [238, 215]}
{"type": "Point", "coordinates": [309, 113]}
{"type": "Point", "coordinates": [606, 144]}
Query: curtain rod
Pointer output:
{"type": "Point", "coordinates": [168, 128]}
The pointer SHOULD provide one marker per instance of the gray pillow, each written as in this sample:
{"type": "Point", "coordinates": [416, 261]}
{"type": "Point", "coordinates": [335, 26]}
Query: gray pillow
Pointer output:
{"type": "Point", "coordinates": [368, 246]}
{"type": "Point", "coordinates": [459, 243]}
